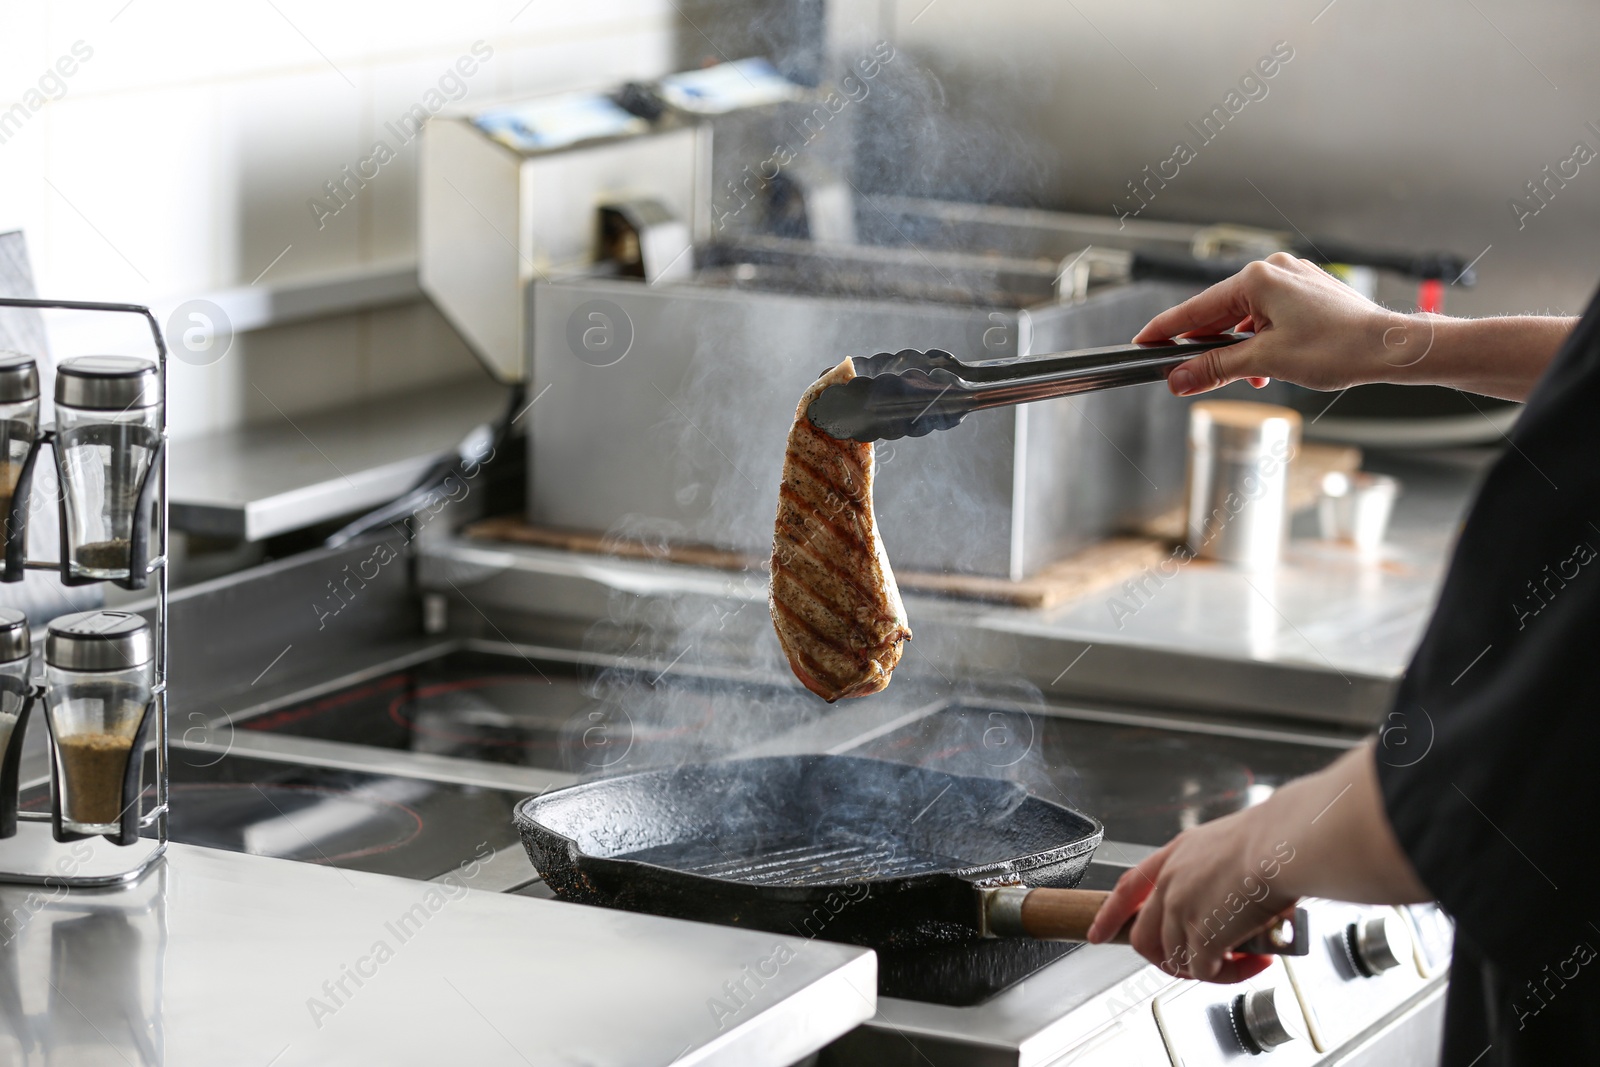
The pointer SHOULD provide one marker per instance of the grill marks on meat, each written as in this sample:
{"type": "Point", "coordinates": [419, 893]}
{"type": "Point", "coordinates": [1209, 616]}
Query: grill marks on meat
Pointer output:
{"type": "Point", "coordinates": [833, 598]}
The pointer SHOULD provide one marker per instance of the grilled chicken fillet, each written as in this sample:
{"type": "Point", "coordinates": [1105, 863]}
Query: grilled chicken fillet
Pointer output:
{"type": "Point", "coordinates": [833, 597]}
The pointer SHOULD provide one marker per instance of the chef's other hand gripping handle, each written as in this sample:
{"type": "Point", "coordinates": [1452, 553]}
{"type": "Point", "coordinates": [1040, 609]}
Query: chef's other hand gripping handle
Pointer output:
{"type": "Point", "coordinates": [1065, 915]}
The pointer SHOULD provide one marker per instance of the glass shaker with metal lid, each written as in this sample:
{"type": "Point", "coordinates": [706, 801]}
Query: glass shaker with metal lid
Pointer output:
{"type": "Point", "coordinates": [19, 427]}
{"type": "Point", "coordinates": [108, 427]}
{"type": "Point", "coordinates": [15, 650]}
{"type": "Point", "coordinates": [99, 678]}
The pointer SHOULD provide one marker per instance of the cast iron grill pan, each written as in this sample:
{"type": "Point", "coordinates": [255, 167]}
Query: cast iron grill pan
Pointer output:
{"type": "Point", "coordinates": [867, 852]}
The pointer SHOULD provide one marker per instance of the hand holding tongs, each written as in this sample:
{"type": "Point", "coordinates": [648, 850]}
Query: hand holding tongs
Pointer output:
{"type": "Point", "coordinates": [910, 393]}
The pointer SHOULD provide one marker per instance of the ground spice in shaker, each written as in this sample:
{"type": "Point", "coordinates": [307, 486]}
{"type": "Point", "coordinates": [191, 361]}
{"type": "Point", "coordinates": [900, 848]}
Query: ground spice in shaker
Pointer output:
{"type": "Point", "coordinates": [105, 555]}
{"type": "Point", "coordinates": [94, 765]}
{"type": "Point", "coordinates": [99, 676]}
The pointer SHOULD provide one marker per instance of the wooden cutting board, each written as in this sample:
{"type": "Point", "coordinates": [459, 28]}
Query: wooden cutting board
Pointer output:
{"type": "Point", "coordinates": [1100, 565]}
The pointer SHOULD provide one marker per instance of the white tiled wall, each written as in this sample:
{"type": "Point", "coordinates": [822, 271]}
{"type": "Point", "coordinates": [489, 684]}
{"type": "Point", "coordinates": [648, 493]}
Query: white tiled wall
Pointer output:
{"type": "Point", "coordinates": [180, 157]}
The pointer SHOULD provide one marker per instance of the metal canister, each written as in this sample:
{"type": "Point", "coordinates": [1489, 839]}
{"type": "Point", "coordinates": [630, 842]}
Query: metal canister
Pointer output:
{"type": "Point", "coordinates": [1238, 494]}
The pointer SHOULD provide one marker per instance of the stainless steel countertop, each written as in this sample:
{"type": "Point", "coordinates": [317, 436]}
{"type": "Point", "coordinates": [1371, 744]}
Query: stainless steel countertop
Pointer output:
{"type": "Point", "coordinates": [222, 958]}
{"type": "Point", "coordinates": [283, 475]}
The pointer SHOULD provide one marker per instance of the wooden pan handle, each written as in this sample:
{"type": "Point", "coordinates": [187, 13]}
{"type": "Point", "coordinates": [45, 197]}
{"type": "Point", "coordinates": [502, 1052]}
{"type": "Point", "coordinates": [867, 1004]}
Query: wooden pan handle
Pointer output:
{"type": "Point", "coordinates": [1066, 914]}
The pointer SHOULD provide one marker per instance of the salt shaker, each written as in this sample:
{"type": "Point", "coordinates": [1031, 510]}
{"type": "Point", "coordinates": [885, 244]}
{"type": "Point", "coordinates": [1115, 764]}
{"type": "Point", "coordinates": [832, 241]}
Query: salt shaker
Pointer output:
{"type": "Point", "coordinates": [99, 679]}
{"type": "Point", "coordinates": [1238, 497]}
{"type": "Point", "coordinates": [19, 427]}
{"type": "Point", "coordinates": [108, 427]}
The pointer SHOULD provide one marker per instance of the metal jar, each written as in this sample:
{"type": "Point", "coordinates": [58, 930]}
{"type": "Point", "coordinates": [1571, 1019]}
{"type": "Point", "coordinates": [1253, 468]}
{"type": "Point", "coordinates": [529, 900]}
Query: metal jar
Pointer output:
{"type": "Point", "coordinates": [1238, 484]}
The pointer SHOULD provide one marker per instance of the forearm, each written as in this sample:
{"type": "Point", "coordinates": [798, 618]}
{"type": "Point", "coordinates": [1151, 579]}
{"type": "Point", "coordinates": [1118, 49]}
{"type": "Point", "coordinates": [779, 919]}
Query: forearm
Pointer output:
{"type": "Point", "coordinates": [1500, 357]}
{"type": "Point", "coordinates": [1343, 845]}
{"type": "Point", "coordinates": [1314, 331]}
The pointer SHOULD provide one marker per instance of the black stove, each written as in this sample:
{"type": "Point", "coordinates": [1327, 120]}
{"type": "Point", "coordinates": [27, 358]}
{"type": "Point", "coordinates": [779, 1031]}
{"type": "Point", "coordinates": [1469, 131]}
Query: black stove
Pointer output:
{"type": "Point", "coordinates": [385, 823]}
{"type": "Point", "coordinates": [1145, 781]}
{"type": "Point", "coordinates": [542, 713]}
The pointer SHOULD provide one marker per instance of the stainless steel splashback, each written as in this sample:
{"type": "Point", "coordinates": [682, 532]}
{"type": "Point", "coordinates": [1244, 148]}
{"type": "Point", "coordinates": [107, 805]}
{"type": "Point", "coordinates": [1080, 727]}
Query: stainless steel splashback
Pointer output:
{"type": "Point", "coordinates": [682, 436]}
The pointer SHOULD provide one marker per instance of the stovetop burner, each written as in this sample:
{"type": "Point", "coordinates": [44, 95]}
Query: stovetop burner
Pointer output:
{"type": "Point", "coordinates": [388, 824]}
{"type": "Point", "coordinates": [539, 713]}
{"type": "Point", "coordinates": [1146, 783]}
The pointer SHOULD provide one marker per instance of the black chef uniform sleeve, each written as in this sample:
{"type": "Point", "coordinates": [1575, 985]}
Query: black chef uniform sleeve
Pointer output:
{"type": "Point", "coordinates": [1489, 761]}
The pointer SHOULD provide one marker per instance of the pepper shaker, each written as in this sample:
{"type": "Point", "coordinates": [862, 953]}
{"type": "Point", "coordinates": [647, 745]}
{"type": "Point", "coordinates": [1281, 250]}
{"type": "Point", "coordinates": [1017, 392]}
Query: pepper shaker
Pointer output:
{"type": "Point", "coordinates": [99, 679]}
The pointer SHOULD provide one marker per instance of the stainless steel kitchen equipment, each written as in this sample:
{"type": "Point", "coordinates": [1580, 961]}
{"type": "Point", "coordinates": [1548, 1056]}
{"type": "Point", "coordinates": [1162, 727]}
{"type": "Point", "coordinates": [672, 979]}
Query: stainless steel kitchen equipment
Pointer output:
{"type": "Point", "coordinates": [1139, 247]}
{"type": "Point", "coordinates": [679, 439]}
{"type": "Point", "coordinates": [912, 394]}
{"type": "Point", "coordinates": [1238, 483]}
{"type": "Point", "coordinates": [106, 672]}
{"type": "Point", "coordinates": [664, 386]}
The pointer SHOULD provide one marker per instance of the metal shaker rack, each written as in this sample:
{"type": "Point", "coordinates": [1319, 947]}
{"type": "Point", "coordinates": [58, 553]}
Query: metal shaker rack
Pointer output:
{"type": "Point", "coordinates": [59, 857]}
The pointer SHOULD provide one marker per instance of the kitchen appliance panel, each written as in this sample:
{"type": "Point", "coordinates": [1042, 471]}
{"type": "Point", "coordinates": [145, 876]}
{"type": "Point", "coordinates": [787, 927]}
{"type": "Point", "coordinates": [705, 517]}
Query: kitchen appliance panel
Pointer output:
{"type": "Point", "coordinates": [1133, 1041]}
{"type": "Point", "coordinates": [1204, 1024]}
{"type": "Point", "coordinates": [1340, 991]}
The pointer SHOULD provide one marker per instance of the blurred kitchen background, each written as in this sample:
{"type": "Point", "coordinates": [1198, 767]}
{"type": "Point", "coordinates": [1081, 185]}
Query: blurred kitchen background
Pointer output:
{"type": "Point", "coordinates": [179, 158]}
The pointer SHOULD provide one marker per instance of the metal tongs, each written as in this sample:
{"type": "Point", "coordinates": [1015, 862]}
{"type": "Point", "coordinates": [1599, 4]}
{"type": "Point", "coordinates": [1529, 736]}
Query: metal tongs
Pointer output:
{"type": "Point", "coordinates": [911, 394]}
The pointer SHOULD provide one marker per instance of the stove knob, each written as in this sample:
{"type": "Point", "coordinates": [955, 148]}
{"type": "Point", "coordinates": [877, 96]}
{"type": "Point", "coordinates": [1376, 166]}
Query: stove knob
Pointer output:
{"type": "Point", "coordinates": [1259, 1024]}
{"type": "Point", "coordinates": [1377, 944]}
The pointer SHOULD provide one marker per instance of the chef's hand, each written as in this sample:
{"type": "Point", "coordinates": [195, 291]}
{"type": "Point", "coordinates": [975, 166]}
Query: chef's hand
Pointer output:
{"type": "Point", "coordinates": [1204, 892]}
{"type": "Point", "coordinates": [1310, 329]}
{"type": "Point", "coordinates": [1324, 835]}
{"type": "Point", "coordinates": [1313, 330]}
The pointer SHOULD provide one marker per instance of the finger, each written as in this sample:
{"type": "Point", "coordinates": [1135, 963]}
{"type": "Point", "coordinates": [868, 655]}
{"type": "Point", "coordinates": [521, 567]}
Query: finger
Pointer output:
{"type": "Point", "coordinates": [1219, 307]}
{"type": "Point", "coordinates": [1239, 968]}
{"type": "Point", "coordinates": [1175, 944]}
{"type": "Point", "coordinates": [1214, 368]}
{"type": "Point", "coordinates": [1246, 325]}
{"type": "Point", "coordinates": [1146, 936]}
{"type": "Point", "coordinates": [1129, 894]}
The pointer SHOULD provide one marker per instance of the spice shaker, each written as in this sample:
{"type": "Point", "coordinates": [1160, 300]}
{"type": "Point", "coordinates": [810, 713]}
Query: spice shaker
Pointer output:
{"type": "Point", "coordinates": [99, 680]}
{"type": "Point", "coordinates": [15, 650]}
{"type": "Point", "coordinates": [1238, 495]}
{"type": "Point", "coordinates": [19, 427]}
{"type": "Point", "coordinates": [108, 427]}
